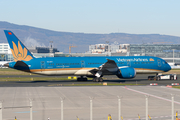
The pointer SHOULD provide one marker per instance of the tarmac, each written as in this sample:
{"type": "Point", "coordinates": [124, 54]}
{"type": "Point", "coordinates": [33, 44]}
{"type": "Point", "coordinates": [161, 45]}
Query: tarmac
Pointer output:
{"type": "Point", "coordinates": [47, 102]}
{"type": "Point", "coordinates": [139, 79]}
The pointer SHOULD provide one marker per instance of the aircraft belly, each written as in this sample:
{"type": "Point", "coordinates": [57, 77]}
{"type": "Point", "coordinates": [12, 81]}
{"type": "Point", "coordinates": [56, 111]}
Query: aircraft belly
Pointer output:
{"type": "Point", "coordinates": [83, 72]}
{"type": "Point", "coordinates": [66, 72]}
{"type": "Point", "coordinates": [56, 72]}
{"type": "Point", "coordinates": [45, 72]}
{"type": "Point", "coordinates": [143, 71]}
{"type": "Point", "coordinates": [86, 71]}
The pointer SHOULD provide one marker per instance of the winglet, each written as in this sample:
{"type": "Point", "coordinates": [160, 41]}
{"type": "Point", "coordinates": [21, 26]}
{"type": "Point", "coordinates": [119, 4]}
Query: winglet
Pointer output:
{"type": "Point", "coordinates": [19, 51]}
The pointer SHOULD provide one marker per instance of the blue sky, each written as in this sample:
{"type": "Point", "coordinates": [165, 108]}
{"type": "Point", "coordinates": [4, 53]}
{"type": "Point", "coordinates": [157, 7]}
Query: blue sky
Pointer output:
{"type": "Point", "coordinates": [96, 16]}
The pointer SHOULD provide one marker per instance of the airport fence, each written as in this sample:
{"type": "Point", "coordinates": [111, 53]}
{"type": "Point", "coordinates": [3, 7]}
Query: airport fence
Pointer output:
{"type": "Point", "coordinates": [21, 112]}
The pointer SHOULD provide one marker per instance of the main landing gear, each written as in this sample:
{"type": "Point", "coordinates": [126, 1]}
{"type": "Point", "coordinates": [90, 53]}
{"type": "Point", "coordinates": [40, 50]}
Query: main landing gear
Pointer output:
{"type": "Point", "coordinates": [95, 79]}
{"type": "Point", "coordinates": [98, 79]}
{"type": "Point", "coordinates": [81, 78]}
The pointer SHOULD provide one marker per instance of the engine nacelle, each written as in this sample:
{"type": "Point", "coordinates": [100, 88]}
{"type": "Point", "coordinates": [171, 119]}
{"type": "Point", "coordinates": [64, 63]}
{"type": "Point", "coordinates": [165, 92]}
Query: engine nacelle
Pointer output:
{"type": "Point", "coordinates": [127, 72]}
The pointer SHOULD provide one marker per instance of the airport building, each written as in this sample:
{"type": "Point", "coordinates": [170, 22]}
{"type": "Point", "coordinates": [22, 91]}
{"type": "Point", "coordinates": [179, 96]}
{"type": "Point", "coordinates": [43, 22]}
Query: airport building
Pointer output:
{"type": "Point", "coordinates": [5, 52]}
{"type": "Point", "coordinates": [104, 48]}
{"type": "Point", "coordinates": [169, 52]}
{"type": "Point", "coordinates": [42, 50]}
{"type": "Point", "coordinates": [4, 48]}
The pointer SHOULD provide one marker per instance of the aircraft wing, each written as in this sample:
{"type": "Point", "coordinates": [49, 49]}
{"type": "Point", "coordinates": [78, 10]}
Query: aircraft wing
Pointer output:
{"type": "Point", "coordinates": [110, 67]}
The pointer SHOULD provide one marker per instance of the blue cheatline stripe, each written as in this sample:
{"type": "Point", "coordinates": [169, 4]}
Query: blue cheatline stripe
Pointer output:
{"type": "Point", "coordinates": [25, 112]}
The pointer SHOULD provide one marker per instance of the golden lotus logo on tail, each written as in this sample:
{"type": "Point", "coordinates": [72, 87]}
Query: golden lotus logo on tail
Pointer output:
{"type": "Point", "coordinates": [19, 53]}
{"type": "Point", "coordinates": [151, 59]}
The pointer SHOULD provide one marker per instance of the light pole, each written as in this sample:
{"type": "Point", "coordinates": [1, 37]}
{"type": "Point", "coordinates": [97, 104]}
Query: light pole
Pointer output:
{"type": "Point", "coordinates": [0, 110]}
{"type": "Point", "coordinates": [108, 47]}
{"type": "Point", "coordinates": [172, 105]}
{"type": "Point", "coordinates": [30, 104]}
{"type": "Point", "coordinates": [173, 55]}
{"type": "Point", "coordinates": [91, 111]}
{"type": "Point", "coordinates": [119, 107]}
{"type": "Point", "coordinates": [62, 108]}
{"type": "Point", "coordinates": [147, 96]}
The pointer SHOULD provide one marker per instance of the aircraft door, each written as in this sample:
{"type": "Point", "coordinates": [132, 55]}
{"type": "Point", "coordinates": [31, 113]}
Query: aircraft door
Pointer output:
{"type": "Point", "coordinates": [128, 63]}
{"type": "Point", "coordinates": [159, 63]}
{"type": "Point", "coordinates": [42, 65]}
{"type": "Point", "coordinates": [82, 64]}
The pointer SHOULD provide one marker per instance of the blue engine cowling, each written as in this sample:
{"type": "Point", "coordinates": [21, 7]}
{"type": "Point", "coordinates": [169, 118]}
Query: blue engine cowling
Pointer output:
{"type": "Point", "coordinates": [127, 72]}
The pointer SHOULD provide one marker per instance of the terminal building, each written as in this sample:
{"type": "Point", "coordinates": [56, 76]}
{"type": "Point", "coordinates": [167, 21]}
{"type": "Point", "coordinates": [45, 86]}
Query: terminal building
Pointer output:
{"type": "Point", "coordinates": [103, 48]}
{"type": "Point", "coordinates": [169, 52]}
{"type": "Point", "coordinates": [42, 50]}
{"type": "Point", "coordinates": [108, 50]}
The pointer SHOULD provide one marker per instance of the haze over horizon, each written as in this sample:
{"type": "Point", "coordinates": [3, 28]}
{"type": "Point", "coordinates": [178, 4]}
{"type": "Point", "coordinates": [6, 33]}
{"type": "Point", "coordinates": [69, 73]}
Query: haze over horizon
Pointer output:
{"type": "Point", "coordinates": [99, 17]}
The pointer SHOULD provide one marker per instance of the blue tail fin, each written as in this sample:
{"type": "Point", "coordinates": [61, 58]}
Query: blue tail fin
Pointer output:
{"type": "Point", "coordinates": [19, 51]}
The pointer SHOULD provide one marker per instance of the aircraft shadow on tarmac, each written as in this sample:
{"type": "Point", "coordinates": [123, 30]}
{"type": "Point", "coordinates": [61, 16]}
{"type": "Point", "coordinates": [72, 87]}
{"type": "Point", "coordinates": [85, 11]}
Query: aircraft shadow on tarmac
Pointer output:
{"type": "Point", "coordinates": [74, 81]}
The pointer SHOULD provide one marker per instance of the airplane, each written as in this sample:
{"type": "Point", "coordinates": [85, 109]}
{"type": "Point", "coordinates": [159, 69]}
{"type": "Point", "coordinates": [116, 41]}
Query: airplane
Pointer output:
{"type": "Point", "coordinates": [86, 67]}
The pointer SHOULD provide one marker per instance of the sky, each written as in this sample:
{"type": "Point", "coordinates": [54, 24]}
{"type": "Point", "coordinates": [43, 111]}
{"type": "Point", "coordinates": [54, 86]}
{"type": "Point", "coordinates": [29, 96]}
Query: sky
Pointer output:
{"type": "Point", "coordinates": [96, 16]}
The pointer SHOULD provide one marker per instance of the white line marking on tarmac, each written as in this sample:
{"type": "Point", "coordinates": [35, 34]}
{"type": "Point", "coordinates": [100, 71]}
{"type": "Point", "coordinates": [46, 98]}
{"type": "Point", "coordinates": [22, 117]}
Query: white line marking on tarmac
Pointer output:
{"type": "Point", "coordinates": [171, 88]}
{"type": "Point", "coordinates": [151, 95]}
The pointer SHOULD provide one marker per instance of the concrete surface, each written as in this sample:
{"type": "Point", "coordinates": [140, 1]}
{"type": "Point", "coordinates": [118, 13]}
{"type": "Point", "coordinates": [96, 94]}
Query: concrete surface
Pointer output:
{"type": "Point", "coordinates": [47, 102]}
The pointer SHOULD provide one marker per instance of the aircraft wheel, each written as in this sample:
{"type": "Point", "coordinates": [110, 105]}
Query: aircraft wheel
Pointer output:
{"type": "Point", "coordinates": [81, 79]}
{"type": "Point", "coordinates": [78, 79]}
{"type": "Point", "coordinates": [97, 79]}
{"type": "Point", "coordinates": [85, 79]}
{"type": "Point", "coordinates": [101, 79]}
{"type": "Point", "coordinates": [94, 79]}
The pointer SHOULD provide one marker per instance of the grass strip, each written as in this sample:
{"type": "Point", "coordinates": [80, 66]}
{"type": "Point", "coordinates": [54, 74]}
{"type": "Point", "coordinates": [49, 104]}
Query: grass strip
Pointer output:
{"type": "Point", "coordinates": [178, 87]}
{"type": "Point", "coordinates": [33, 79]}
{"type": "Point", "coordinates": [101, 84]}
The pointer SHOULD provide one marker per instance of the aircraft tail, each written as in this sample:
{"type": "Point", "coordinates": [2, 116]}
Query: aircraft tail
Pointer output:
{"type": "Point", "coordinates": [19, 51]}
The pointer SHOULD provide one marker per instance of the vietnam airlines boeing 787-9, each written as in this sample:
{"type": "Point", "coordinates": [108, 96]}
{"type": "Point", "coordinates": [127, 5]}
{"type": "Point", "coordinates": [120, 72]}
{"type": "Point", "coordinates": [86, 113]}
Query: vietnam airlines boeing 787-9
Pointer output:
{"type": "Point", "coordinates": [93, 67]}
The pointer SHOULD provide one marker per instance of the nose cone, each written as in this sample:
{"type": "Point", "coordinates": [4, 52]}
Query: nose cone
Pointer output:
{"type": "Point", "coordinates": [6, 65]}
{"type": "Point", "coordinates": [168, 68]}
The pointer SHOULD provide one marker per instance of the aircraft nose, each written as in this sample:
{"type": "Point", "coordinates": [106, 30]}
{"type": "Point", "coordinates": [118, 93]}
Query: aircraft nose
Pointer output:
{"type": "Point", "coordinates": [168, 68]}
{"type": "Point", "coordinates": [6, 65]}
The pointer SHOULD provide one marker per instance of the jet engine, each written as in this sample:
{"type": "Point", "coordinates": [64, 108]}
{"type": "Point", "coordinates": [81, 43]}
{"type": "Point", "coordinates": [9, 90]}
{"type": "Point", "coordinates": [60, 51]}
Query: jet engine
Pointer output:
{"type": "Point", "coordinates": [127, 72]}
